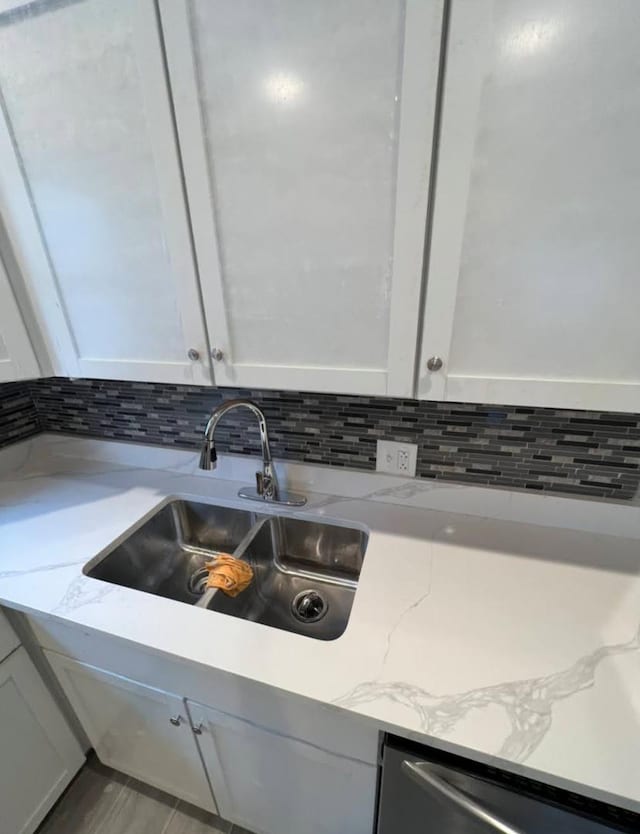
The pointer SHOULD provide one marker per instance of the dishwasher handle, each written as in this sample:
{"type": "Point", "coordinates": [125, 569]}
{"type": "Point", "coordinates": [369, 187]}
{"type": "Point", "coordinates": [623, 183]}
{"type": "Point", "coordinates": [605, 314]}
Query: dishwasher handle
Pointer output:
{"type": "Point", "coordinates": [422, 774]}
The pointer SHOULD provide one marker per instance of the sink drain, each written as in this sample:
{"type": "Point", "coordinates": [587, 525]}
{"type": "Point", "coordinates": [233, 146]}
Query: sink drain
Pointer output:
{"type": "Point", "coordinates": [309, 606]}
{"type": "Point", "coordinates": [198, 581]}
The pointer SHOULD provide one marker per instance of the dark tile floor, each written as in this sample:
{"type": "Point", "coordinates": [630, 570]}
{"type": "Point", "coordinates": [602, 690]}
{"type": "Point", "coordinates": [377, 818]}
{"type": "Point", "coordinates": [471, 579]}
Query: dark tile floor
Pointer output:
{"type": "Point", "coordinates": [103, 801]}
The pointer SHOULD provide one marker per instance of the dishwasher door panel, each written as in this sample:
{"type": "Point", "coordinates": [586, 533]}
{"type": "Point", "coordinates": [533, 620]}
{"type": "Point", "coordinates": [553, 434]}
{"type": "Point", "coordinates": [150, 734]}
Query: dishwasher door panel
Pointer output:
{"type": "Point", "coordinates": [412, 808]}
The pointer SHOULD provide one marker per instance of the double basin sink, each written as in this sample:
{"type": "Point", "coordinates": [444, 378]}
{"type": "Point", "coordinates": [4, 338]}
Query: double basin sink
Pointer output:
{"type": "Point", "coordinates": [305, 572]}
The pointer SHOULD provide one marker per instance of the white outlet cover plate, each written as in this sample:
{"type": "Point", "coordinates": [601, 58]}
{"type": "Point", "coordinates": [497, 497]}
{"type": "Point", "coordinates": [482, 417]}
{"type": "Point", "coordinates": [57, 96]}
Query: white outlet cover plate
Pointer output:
{"type": "Point", "coordinates": [396, 458]}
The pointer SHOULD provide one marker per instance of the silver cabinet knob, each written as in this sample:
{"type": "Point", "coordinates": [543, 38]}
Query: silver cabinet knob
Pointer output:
{"type": "Point", "coordinates": [217, 355]}
{"type": "Point", "coordinates": [176, 720]}
{"type": "Point", "coordinates": [193, 354]}
{"type": "Point", "coordinates": [197, 728]}
{"type": "Point", "coordinates": [434, 363]}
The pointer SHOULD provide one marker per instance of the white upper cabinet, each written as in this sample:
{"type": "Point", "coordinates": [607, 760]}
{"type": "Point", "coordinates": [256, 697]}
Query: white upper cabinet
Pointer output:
{"type": "Point", "coordinates": [533, 290]}
{"type": "Point", "coordinates": [91, 190]}
{"type": "Point", "coordinates": [17, 359]}
{"type": "Point", "coordinates": [8, 638]}
{"type": "Point", "coordinates": [306, 131]}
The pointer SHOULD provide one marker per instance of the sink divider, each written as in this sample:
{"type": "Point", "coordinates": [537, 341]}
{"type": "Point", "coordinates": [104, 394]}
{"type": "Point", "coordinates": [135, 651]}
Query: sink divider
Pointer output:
{"type": "Point", "coordinates": [239, 551]}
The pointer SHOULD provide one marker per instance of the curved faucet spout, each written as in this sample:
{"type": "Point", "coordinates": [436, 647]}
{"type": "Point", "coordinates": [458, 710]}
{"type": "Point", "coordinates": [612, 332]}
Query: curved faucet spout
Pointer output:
{"type": "Point", "coordinates": [266, 481]}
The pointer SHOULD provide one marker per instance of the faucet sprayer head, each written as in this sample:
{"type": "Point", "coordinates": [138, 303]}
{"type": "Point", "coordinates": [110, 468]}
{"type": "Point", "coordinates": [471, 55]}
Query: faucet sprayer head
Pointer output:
{"type": "Point", "coordinates": [208, 456]}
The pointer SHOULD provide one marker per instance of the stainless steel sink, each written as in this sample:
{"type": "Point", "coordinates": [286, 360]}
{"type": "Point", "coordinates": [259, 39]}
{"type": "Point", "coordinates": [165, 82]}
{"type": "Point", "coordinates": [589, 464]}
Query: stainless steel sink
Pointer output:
{"type": "Point", "coordinates": [305, 572]}
{"type": "Point", "coordinates": [166, 554]}
{"type": "Point", "coordinates": [305, 577]}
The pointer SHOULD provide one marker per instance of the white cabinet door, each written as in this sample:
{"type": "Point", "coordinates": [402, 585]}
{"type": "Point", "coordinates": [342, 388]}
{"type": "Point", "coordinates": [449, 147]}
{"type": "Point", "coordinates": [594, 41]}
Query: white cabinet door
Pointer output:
{"type": "Point", "coordinates": [273, 784]}
{"type": "Point", "coordinates": [8, 638]}
{"type": "Point", "coordinates": [17, 359]}
{"type": "Point", "coordinates": [38, 752]}
{"type": "Point", "coordinates": [91, 190]}
{"type": "Point", "coordinates": [141, 731]}
{"type": "Point", "coordinates": [306, 131]}
{"type": "Point", "coordinates": [533, 293]}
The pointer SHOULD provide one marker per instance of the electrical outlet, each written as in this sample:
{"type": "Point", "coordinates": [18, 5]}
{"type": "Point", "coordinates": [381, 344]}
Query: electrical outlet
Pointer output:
{"type": "Point", "coordinates": [403, 460]}
{"type": "Point", "coordinates": [396, 458]}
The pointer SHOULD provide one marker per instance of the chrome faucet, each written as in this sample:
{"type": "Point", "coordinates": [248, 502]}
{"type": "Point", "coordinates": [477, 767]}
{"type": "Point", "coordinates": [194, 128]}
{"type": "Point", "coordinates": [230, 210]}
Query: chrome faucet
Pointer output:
{"type": "Point", "coordinates": [267, 488]}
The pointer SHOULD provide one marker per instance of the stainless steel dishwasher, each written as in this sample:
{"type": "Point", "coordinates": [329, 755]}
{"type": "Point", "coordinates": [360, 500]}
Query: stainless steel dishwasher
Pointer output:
{"type": "Point", "coordinates": [424, 791]}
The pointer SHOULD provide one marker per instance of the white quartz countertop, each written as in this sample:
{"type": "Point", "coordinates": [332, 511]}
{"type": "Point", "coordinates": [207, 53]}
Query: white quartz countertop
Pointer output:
{"type": "Point", "coordinates": [511, 642]}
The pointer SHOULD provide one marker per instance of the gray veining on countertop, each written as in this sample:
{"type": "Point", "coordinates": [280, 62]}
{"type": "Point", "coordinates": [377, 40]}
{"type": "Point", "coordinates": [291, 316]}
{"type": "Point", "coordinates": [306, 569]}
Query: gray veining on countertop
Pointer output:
{"type": "Point", "coordinates": [527, 703]}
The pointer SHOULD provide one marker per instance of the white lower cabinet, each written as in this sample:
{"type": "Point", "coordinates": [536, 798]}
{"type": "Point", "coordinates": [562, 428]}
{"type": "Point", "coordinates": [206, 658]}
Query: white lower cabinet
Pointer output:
{"type": "Point", "coordinates": [39, 754]}
{"type": "Point", "coordinates": [262, 779]}
{"type": "Point", "coordinates": [274, 784]}
{"type": "Point", "coordinates": [139, 730]}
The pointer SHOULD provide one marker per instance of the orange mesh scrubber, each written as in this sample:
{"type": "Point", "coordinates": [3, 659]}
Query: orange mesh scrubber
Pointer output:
{"type": "Point", "coordinates": [230, 575]}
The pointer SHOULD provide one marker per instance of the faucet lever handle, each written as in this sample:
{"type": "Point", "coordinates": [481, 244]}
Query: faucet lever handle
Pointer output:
{"type": "Point", "coordinates": [260, 483]}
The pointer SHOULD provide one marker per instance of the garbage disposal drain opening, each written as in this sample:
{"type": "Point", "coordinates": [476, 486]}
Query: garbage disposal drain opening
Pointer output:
{"type": "Point", "coordinates": [309, 606]}
{"type": "Point", "coordinates": [198, 581]}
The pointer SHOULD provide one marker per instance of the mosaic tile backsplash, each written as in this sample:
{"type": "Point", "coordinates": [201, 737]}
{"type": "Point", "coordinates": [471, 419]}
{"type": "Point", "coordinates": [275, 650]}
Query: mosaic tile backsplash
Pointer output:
{"type": "Point", "coordinates": [18, 417]}
{"type": "Point", "coordinates": [580, 452]}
